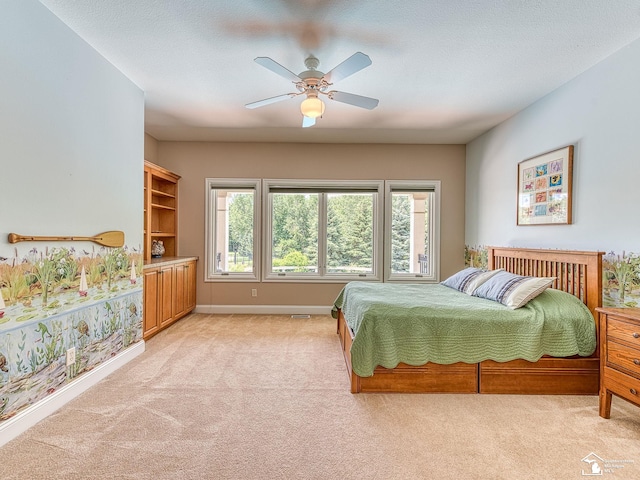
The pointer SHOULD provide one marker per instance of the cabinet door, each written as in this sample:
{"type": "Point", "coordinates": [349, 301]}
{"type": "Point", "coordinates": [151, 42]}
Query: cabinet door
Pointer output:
{"type": "Point", "coordinates": [191, 284]}
{"type": "Point", "coordinates": [165, 295]}
{"type": "Point", "coordinates": [150, 315]}
{"type": "Point", "coordinates": [180, 297]}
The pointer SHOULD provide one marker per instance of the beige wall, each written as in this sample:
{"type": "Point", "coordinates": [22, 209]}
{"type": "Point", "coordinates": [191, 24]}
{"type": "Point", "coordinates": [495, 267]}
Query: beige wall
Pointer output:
{"type": "Point", "coordinates": [150, 148]}
{"type": "Point", "coordinates": [195, 161]}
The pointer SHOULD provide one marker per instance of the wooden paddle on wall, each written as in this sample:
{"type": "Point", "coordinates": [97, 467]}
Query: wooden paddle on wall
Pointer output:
{"type": "Point", "coordinates": [113, 238]}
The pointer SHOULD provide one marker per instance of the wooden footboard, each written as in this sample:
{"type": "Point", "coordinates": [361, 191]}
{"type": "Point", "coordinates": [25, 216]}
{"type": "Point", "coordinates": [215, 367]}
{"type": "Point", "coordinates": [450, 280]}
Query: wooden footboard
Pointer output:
{"type": "Point", "coordinates": [578, 273]}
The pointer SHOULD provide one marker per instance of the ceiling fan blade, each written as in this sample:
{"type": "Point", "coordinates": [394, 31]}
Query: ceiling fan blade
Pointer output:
{"type": "Point", "coordinates": [275, 67]}
{"type": "Point", "coordinates": [268, 101]}
{"type": "Point", "coordinates": [308, 121]}
{"type": "Point", "coordinates": [351, 65]}
{"type": "Point", "coordinates": [352, 99]}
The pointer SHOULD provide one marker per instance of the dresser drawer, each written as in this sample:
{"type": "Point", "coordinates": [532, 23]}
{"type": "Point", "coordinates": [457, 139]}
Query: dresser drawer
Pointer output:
{"type": "Point", "coordinates": [624, 357]}
{"type": "Point", "coordinates": [625, 331]}
{"type": "Point", "coordinates": [621, 384]}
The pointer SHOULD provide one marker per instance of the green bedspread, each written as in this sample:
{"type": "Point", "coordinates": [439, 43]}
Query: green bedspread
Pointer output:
{"type": "Point", "coordinates": [416, 324]}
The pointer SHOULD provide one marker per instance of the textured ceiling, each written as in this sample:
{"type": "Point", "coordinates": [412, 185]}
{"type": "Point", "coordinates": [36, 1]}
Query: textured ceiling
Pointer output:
{"type": "Point", "coordinates": [445, 71]}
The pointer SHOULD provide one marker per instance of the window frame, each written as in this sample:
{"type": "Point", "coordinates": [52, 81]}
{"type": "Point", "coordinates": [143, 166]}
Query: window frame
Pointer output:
{"type": "Point", "coordinates": [323, 187]}
{"type": "Point", "coordinates": [434, 230]}
{"type": "Point", "coordinates": [211, 185]}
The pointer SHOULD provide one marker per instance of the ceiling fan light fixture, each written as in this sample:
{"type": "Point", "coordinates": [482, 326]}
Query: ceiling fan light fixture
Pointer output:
{"type": "Point", "coordinates": [313, 82]}
{"type": "Point", "coordinates": [312, 107]}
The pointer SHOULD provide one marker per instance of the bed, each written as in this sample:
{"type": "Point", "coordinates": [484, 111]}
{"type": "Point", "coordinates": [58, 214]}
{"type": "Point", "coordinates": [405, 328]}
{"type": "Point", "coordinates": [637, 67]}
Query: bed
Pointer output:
{"type": "Point", "coordinates": [577, 273]}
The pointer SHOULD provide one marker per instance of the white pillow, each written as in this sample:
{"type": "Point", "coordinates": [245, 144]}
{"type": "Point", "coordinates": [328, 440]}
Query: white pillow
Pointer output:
{"type": "Point", "coordinates": [513, 290]}
{"type": "Point", "coordinates": [469, 279]}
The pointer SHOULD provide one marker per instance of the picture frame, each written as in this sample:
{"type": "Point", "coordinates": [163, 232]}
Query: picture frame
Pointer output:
{"type": "Point", "coordinates": [545, 188]}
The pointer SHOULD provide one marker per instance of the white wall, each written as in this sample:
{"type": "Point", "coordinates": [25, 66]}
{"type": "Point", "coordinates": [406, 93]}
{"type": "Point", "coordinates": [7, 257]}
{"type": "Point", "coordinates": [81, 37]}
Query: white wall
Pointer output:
{"type": "Point", "coordinates": [71, 163]}
{"type": "Point", "coordinates": [599, 113]}
{"type": "Point", "coordinates": [71, 133]}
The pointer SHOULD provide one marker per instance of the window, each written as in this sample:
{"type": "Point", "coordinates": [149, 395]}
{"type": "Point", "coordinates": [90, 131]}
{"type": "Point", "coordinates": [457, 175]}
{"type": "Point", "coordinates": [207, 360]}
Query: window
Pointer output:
{"type": "Point", "coordinates": [233, 228]}
{"type": "Point", "coordinates": [350, 233]}
{"type": "Point", "coordinates": [322, 230]}
{"type": "Point", "coordinates": [412, 217]}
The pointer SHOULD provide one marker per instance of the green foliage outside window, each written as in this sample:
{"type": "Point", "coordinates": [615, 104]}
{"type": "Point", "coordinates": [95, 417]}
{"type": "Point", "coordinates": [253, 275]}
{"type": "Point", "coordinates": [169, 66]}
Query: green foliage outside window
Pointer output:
{"type": "Point", "coordinates": [295, 225]}
{"type": "Point", "coordinates": [400, 233]}
{"type": "Point", "coordinates": [349, 232]}
{"type": "Point", "coordinates": [241, 230]}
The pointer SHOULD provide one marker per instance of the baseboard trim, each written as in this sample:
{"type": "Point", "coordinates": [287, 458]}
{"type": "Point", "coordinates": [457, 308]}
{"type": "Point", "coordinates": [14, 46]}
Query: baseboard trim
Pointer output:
{"type": "Point", "coordinates": [264, 309]}
{"type": "Point", "coordinates": [22, 421]}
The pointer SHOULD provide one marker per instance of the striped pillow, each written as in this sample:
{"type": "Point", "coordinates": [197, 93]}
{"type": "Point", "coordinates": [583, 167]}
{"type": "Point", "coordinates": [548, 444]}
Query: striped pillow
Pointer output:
{"type": "Point", "coordinates": [469, 279]}
{"type": "Point", "coordinates": [513, 290]}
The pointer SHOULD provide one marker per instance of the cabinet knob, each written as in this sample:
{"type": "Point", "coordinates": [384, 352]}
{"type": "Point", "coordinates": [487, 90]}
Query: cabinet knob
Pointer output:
{"type": "Point", "coordinates": [636, 361]}
{"type": "Point", "coordinates": [633, 391]}
{"type": "Point", "coordinates": [636, 335]}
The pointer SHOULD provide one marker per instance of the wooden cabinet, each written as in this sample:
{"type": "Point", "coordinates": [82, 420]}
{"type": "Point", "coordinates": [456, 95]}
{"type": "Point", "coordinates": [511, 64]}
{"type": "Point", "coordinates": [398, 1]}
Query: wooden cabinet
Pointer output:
{"type": "Point", "coordinates": [619, 356]}
{"type": "Point", "coordinates": [166, 294]}
{"type": "Point", "coordinates": [184, 276]}
{"type": "Point", "coordinates": [150, 318]}
{"type": "Point", "coordinates": [169, 292]}
{"type": "Point", "coordinates": [160, 208]}
{"type": "Point", "coordinates": [191, 284]}
{"type": "Point", "coordinates": [179, 294]}
{"type": "Point", "coordinates": [170, 281]}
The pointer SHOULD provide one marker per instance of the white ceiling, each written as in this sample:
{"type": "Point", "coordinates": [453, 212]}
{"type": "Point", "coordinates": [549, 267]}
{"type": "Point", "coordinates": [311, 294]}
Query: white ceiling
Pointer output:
{"type": "Point", "coordinates": [445, 71]}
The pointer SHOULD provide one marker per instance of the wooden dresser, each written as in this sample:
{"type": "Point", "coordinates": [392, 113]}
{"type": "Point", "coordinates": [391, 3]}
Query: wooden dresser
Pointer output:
{"type": "Point", "coordinates": [619, 356]}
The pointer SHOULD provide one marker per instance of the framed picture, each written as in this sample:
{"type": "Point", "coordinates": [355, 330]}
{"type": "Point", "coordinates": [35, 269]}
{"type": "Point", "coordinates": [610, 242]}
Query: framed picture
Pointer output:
{"type": "Point", "coordinates": [544, 188]}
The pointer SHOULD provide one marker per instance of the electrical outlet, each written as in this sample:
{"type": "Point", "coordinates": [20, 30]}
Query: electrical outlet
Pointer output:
{"type": "Point", "coordinates": [71, 356]}
{"type": "Point", "coordinates": [254, 292]}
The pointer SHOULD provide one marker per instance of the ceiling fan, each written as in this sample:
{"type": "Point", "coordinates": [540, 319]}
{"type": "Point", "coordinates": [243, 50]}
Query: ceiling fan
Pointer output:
{"type": "Point", "coordinates": [312, 83]}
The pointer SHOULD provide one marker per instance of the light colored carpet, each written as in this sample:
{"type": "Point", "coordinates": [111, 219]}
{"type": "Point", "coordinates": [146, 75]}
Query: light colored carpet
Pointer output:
{"type": "Point", "coordinates": [267, 397]}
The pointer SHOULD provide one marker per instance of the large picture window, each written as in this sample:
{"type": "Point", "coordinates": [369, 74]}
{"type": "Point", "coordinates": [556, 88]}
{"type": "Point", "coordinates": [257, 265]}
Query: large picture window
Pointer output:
{"type": "Point", "coordinates": [322, 230]}
{"type": "Point", "coordinates": [233, 228]}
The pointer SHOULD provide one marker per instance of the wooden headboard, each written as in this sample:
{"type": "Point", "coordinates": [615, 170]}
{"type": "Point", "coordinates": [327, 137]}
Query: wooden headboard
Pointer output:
{"type": "Point", "coordinates": [577, 273]}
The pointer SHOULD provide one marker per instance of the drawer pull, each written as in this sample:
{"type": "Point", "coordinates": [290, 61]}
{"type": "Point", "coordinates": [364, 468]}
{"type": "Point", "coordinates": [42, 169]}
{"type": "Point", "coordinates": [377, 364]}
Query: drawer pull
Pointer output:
{"type": "Point", "coordinates": [633, 391]}
{"type": "Point", "coordinates": [636, 335]}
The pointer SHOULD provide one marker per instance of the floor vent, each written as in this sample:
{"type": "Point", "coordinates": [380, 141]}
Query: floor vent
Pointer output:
{"type": "Point", "coordinates": [300, 316]}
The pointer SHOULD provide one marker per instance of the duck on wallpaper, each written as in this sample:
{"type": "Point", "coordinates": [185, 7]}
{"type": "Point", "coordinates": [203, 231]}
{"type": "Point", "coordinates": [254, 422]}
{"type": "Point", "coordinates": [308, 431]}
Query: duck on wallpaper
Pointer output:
{"type": "Point", "coordinates": [54, 300]}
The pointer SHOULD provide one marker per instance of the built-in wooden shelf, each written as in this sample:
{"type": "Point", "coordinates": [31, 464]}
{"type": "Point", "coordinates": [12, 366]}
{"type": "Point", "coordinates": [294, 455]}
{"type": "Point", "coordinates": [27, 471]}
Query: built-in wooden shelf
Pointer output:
{"type": "Point", "coordinates": [160, 209]}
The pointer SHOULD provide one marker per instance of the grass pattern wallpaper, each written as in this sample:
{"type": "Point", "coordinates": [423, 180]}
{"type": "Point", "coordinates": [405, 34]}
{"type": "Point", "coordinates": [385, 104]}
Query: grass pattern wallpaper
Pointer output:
{"type": "Point", "coordinates": [620, 275]}
{"type": "Point", "coordinates": [55, 300]}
